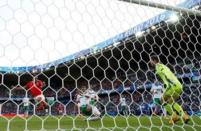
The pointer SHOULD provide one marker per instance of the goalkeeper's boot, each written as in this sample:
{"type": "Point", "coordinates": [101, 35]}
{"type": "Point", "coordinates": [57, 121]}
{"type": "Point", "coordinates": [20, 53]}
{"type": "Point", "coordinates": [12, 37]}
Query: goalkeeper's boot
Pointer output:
{"type": "Point", "coordinates": [174, 118]}
{"type": "Point", "coordinates": [186, 118]}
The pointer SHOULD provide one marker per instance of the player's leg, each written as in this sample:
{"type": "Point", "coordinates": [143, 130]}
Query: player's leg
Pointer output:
{"type": "Point", "coordinates": [26, 111]}
{"type": "Point", "coordinates": [95, 113]}
{"type": "Point", "coordinates": [167, 100]}
{"type": "Point", "coordinates": [60, 112]}
{"type": "Point", "coordinates": [156, 110]}
{"type": "Point", "coordinates": [126, 110]}
{"type": "Point", "coordinates": [179, 110]}
{"type": "Point", "coordinates": [86, 110]}
{"type": "Point", "coordinates": [163, 107]}
{"type": "Point", "coordinates": [168, 107]}
{"type": "Point", "coordinates": [123, 110]}
{"type": "Point", "coordinates": [42, 104]}
{"type": "Point", "coordinates": [78, 110]}
{"type": "Point", "coordinates": [164, 113]}
{"type": "Point", "coordinates": [176, 107]}
{"type": "Point", "coordinates": [157, 103]}
{"type": "Point", "coordinates": [172, 107]}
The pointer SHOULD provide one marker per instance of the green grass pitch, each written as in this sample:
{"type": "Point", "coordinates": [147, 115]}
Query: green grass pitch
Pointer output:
{"type": "Point", "coordinates": [107, 123]}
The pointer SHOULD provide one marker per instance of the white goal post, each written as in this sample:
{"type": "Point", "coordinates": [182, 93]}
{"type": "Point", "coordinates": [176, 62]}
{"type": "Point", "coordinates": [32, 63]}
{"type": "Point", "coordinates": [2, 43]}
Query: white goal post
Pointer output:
{"type": "Point", "coordinates": [165, 6]}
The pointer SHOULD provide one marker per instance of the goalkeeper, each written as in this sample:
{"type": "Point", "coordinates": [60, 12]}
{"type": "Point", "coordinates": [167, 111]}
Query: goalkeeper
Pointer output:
{"type": "Point", "coordinates": [172, 91]}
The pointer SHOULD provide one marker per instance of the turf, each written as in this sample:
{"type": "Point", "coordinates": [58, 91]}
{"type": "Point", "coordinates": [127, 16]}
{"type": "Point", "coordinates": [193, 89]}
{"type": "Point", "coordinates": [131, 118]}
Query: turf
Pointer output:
{"type": "Point", "coordinates": [119, 123]}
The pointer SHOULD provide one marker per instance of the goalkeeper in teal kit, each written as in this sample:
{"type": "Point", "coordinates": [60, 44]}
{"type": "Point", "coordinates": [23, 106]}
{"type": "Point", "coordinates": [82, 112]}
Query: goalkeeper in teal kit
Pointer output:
{"type": "Point", "coordinates": [172, 91]}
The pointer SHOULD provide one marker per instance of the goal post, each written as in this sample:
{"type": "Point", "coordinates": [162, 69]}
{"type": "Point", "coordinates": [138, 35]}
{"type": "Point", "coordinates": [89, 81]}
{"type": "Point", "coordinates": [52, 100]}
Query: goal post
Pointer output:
{"type": "Point", "coordinates": [165, 6]}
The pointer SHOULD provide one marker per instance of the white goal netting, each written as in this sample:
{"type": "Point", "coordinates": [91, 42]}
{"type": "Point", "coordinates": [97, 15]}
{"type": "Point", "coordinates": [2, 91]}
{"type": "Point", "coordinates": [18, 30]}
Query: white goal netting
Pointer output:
{"type": "Point", "coordinates": [86, 65]}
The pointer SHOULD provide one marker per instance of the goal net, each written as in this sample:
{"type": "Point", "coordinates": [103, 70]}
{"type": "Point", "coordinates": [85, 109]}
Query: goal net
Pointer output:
{"type": "Point", "coordinates": [100, 65]}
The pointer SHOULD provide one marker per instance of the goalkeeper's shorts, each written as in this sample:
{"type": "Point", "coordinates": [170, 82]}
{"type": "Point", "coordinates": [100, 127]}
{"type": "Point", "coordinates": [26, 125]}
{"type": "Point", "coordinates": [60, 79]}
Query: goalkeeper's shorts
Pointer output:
{"type": "Point", "coordinates": [173, 91]}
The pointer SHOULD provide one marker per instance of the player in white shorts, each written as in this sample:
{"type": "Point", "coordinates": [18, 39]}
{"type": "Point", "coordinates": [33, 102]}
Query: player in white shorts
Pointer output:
{"type": "Point", "coordinates": [26, 106]}
{"type": "Point", "coordinates": [124, 107]}
{"type": "Point", "coordinates": [157, 91]}
{"type": "Point", "coordinates": [87, 102]}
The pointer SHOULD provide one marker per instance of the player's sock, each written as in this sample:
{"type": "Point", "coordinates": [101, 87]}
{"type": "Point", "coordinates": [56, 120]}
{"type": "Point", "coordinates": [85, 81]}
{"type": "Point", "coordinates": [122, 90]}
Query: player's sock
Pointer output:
{"type": "Point", "coordinates": [168, 108]}
{"type": "Point", "coordinates": [178, 109]}
{"type": "Point", "coordinates": [46, 111]}
{"type": "Point", "coordinates": [125, 113]}
{"type": "Point", "coordinates": [164, 112]}
{"type": "Point", "coordinates": [174, 118]}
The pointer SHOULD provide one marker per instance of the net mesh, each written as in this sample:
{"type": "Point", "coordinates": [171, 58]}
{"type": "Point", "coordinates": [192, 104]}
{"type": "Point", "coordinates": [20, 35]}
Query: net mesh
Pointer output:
{"type": "Point", "coordinates": [117, 71]}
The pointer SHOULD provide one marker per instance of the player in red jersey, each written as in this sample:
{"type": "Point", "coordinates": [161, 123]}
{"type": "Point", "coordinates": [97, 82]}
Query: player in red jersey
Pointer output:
{"type": "Point", "coordinates": [35, 88]}
{"type": "Point", "coordinates": [60, 109]}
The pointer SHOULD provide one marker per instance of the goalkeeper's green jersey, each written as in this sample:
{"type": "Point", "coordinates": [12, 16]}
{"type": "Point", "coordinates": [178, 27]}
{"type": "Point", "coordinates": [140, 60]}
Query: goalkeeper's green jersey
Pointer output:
{"type": "Point", "coordinates": [167, 76]}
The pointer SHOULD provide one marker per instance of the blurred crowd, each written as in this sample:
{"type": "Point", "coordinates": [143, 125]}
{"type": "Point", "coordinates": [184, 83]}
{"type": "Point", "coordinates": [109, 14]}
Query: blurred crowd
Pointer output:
{"type": "Point", "coordinates": [138, 101]}
{"type": "Point", "coordinates": [135, 88]}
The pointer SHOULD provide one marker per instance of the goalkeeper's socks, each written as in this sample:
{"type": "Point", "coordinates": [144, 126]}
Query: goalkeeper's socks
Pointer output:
{"type": "Point", "coordinates": [178, 109]}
